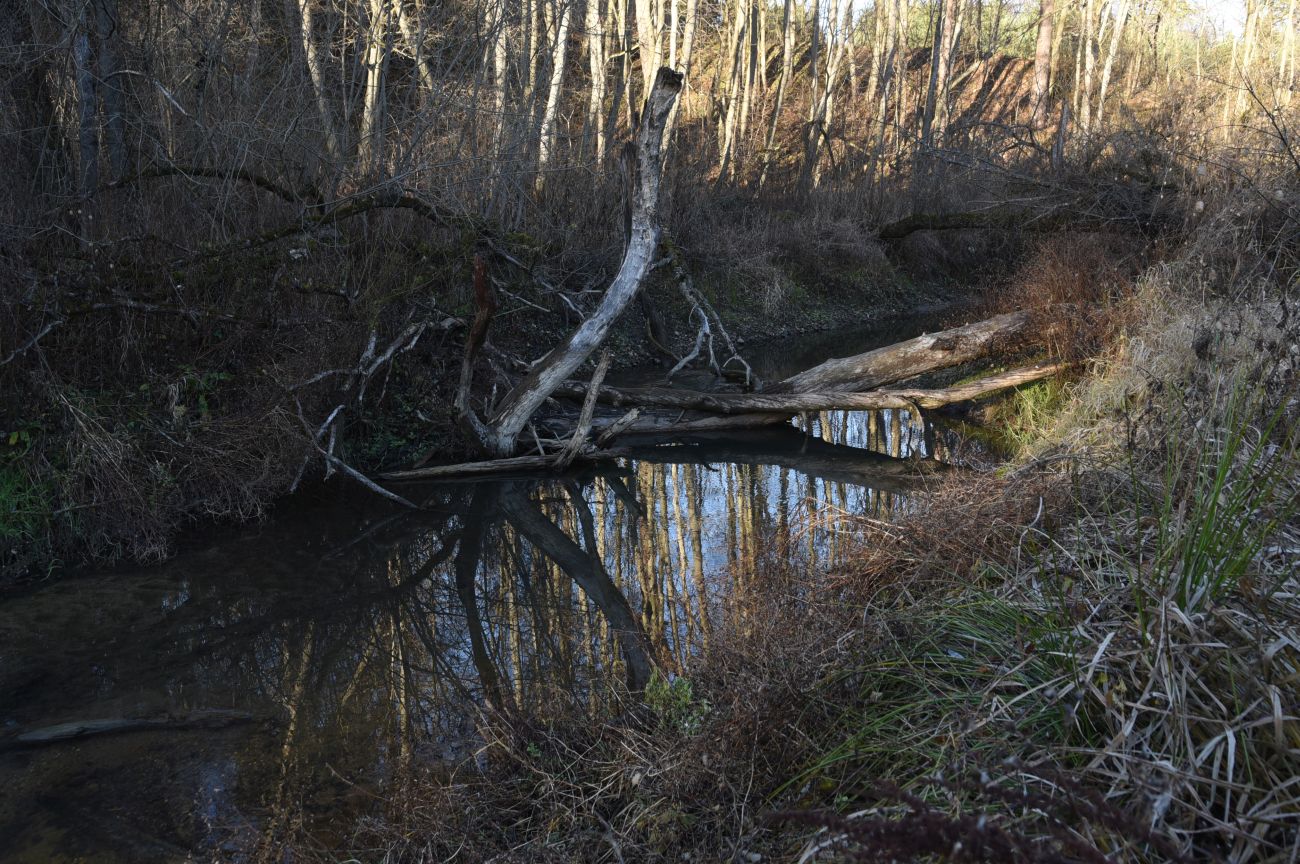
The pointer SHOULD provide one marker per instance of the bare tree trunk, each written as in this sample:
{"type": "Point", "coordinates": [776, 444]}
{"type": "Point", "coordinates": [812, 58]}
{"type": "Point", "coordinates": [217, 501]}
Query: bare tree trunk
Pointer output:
{"type": "Point", "coordinates": [787, 65]}
{"type": "Point", "coordinates": [1247, 56]}
{"type": "Point", "coordinates": [879, 47]}
{"type": "Point", "coordinates": [1088, 46]}
{"type": "Point", "coordinates": [734, 66]}
{"type": "Point", "coordinates": [1043, 63]}
{"type": "Point", "coordinates": [594, 23]}
{"type": "Point", "coordinates": [688, 38]}
{"type": "Point", "coordinates": [556, 367]}
{"type": "Point", "coordinates": [378, 47]}
{"type": "Point", "coordinates": [673, 23]}
{"type": "Point", "coordinates": [940, 60]}
{"type": "Point", "coordinates": [546, 138]}
{"type": "Point", "coordinates": [500, 52]}
{"type": "Point", "coordinates": [88, 118]}
{"type": "Point", "coordinates": [413, 35]}
{"type": "Point", "coordinates": [300, 11]}
{"type": "Point", "coordinates": [107, 26]}
{"type": "Point", "coordinates": [649, 27]}
{"type": "Point", "coordinates": [1116, 34]}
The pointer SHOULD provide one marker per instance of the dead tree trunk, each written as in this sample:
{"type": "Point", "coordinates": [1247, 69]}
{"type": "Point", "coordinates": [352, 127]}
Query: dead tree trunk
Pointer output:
{"type": "Point", "coordinates": [786, 404]}
{"type": "Point", "coordinates": [913, 357]}
{"type": "Point", "coordinates": [552, 370]}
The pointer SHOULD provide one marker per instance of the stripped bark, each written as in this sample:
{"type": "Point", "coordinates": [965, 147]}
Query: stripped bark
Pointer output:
{"type": "Point", "coordinates": [786, 404]}
{"type": "Point", "coordinates": [580, 432]}
{"type": "Point", "coordinates": [913, 357]}
{"type": "Point", "coordinates": [553, 369]}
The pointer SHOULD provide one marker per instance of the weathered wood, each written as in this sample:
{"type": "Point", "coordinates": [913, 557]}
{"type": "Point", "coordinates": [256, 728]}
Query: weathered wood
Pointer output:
{"type": "Point", "coordinates": [583, 429]}
{"type": "Point", "coordinates": [556, 367]}
{"type": "Point", "coordinates": [903, 360]}
{"type": "Point", "coordinates": [484, 468]}
{"type": "Point", "coordinates": [786, 404]}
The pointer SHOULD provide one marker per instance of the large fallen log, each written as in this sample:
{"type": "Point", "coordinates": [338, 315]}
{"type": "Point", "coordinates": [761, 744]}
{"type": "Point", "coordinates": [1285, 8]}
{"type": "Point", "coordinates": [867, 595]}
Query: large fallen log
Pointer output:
{"type": "Point", "coordinates": [928, 353]}
{"type": "Point", "coordinates": [785, 448]}
{"type": "Point", "coordinates": [786, 404]}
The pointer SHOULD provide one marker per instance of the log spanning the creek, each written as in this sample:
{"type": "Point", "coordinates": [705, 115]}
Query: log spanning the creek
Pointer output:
{"type": "Point", "coordinates": [855, 383]}
{"type": "Point", "coordinates": [786, 404]}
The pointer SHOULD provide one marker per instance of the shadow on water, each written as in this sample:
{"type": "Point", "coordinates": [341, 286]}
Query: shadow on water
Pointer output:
{"type": "Point", "coordinates": [361, 642]}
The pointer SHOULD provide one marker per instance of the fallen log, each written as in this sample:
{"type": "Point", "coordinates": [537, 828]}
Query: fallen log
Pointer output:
{"type": "Point", "coordinates": [207, 719]}
{"type": "Point", "coordinates": [485, 468]}
{"type": "Point", "coordinates": [786, 404]}
{"type": "Point", "coordinates": [1009, 219]}
{"type": "Point", "coordinates": [928, 353]}
{"type": "Point", "coordinates": [789, 448]}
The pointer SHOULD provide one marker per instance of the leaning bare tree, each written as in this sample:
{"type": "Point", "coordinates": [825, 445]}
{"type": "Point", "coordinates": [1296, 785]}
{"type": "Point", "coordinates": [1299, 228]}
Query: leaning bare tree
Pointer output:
{"type": "Point", "coordinates": [499, 434]}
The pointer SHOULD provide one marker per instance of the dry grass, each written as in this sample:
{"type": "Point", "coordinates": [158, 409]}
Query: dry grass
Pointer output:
{"type": "Point", "coordinates": [1093, 655]}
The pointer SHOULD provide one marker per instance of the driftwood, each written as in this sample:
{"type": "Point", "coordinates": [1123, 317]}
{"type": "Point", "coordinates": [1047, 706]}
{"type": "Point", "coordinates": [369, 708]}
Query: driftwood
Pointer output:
{"type": "Point", "coordinates": [208, 719]}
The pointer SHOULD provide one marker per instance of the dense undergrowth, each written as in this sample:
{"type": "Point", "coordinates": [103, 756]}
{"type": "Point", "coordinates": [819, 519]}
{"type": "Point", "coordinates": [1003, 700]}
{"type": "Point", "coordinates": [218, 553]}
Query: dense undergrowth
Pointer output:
{"type": "Point", "coordinates": [1091, 654]}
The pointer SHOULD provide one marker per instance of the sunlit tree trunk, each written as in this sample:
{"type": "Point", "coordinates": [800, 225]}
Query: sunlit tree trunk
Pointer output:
{"type": "Point", "coordinates": [546, 139]}
{"type": "Point", "coordinates": [787, 64]}
{"type": "Point", "coordinates": [649, 29]}
{"type": "Point", "coordinates": [594, 23]}
{"type": "Point", "coordinates": [1088, 47]}
{"type": "Point", "coordinates": [1043, 63]}
{"type": "Point", "coordinates": [1116, 34]}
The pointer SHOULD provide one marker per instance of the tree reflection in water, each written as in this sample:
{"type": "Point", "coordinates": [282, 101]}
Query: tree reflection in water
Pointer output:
{"type": "Point", "coordinates": [366, 659]}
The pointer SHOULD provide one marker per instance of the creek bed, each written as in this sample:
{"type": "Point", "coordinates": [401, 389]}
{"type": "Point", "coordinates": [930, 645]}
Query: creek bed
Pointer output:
{"type": "Point", "coordinates": [353, 641]}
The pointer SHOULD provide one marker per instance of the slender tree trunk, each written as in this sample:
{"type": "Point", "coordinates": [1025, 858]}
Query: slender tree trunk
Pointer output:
{"type": "Point", "coordinates": [594, 23]}
{"type": "Point", "coordinates": [1043, 63]}
{"type": "Point", "coordinates": [1088, 44]}
{"type": "Point", "coordinates": [300, 11]}
{"type": "Point", "coordinates": [879, 48]}
{"type": "Point", "coordinates": [546, 139]}
{"type": "Point", "coordinates": [940, 61]}
{"type": "Point", "coordinates": [787, 64]}
{"type": "Point", "coordinates": [734, 79]}
{"type": "Point", "coordinates": [372, 110]}
{"type": "Point", "coordinates": [673, 23]}
{"type": "Point", "coordinates": [88, 118]}
{"type": "Point", "coordinates": [413, 35]}
{"type": "Point", "coordinates": [648, 33]}
{"type": "Point", "coordinates": [108, 32]}
{"type": "Point", "coordinates": [1116, 34]}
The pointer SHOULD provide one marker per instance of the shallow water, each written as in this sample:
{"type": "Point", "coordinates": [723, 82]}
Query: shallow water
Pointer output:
{"type": "Point", "coordinates": [358, 641]}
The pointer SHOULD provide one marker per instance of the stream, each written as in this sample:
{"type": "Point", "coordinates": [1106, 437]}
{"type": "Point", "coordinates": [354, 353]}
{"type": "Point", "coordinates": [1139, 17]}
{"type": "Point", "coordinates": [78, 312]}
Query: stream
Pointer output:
{"type": "Point", "coordinates": [290, 669]}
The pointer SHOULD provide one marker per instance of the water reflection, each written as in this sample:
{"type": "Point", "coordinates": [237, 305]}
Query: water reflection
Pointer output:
{"type": "Point", "coordinates": [366, 642]}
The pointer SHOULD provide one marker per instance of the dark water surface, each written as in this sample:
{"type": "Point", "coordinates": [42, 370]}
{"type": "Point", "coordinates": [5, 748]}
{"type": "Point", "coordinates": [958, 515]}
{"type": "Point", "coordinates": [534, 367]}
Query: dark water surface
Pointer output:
{"type": "Point", "coordinates": [292, 669]}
